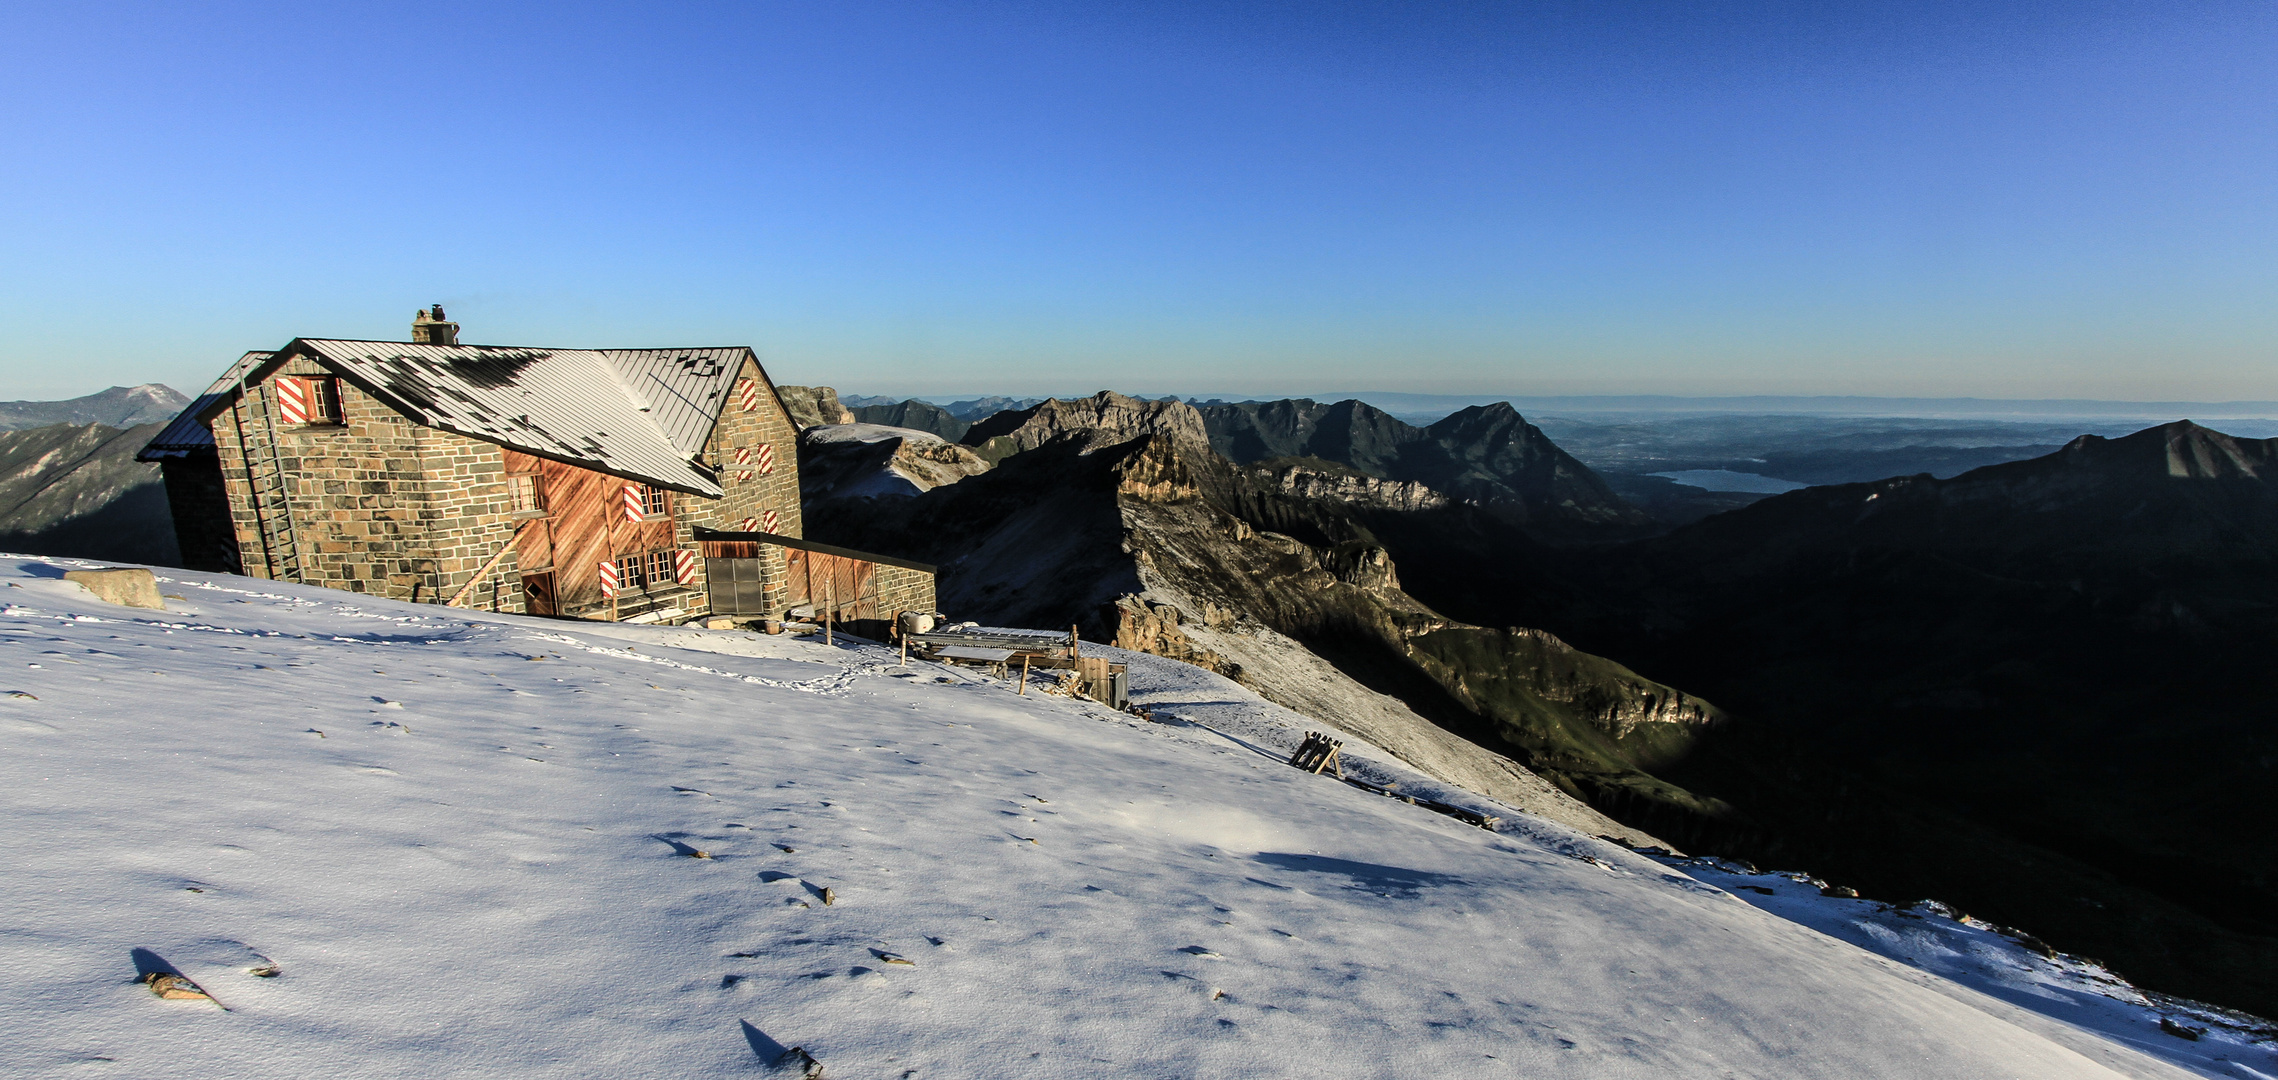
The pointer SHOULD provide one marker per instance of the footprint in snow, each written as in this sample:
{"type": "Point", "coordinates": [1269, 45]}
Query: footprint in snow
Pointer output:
{"type": "Point", "coordinates": [1197, 950]}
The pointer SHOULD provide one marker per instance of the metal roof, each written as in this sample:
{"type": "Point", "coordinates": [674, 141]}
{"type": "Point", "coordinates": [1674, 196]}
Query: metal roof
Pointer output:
{"type": "Point", "coordinates": [638, 413]}
{"type": "Point", "coordinates": [192, 431]}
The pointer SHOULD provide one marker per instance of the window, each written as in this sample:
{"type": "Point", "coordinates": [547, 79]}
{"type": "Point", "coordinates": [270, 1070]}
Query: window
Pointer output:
{"type": "Point", "coordinates": [658, 569]}
{"type": "Point", "coordinates": [324, 396]}
{"type": "Point", "coordinates": [525, 493]}
{"type": "Point", "coordinates": [309, 399]}
{"type": "Point", "coordinates": [654, 500]}
{"type": "Point", "coordinates": [632, 571]}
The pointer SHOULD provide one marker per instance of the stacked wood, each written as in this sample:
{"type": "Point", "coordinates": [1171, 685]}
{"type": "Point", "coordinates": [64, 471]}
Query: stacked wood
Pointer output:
{"type": "Point", "coordinates": [1318, 752]}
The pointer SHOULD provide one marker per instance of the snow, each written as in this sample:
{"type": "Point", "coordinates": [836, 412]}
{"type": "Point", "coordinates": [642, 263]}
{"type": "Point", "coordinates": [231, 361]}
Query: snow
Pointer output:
{"type": "Point", "coordinates": [2004, 964]}
{"type": "Point", "coordinates": [467, 843]}
{"type": "Point", "coordinates": [866, 433]}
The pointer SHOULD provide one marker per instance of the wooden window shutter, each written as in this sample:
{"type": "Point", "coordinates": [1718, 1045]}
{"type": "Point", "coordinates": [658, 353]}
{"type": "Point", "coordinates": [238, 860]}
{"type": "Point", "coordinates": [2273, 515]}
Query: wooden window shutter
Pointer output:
{"type": "Point", "coordinates": [293, 399]}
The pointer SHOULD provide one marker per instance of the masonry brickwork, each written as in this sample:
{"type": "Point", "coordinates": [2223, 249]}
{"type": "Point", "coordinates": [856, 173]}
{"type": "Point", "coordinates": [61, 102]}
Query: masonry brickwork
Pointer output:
{"type": "Point", "coordinates": [759, 495]}
{"type": "Point", "coordinates": [373, 504]}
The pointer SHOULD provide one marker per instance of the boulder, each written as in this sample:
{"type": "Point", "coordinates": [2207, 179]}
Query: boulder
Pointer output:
{"type": "Point", "coordinates": [131, 586]}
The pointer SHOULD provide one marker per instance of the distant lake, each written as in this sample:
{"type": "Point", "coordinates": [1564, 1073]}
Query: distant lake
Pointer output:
{"type": "Point", "coordinates": [1727, 480]}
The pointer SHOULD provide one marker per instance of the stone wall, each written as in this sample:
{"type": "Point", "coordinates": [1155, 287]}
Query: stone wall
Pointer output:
{"type": "Point", "coordinates": [902, 589]}
{"type": "Point", "coordinates": [375, 504]}
{"type": "Point", "coordinates": [753, 489]}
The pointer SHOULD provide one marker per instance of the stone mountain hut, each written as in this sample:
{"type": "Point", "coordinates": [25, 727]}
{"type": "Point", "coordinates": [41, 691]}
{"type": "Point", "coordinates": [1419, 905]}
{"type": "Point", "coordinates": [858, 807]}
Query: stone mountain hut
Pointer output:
{"type": "Point", "coordinates": [649, 485]}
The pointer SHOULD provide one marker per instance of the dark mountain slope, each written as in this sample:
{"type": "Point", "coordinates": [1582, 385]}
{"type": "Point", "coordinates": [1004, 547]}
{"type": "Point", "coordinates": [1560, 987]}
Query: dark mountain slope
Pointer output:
{"type": "Point", "coordinates": [919, 415]}
{"type": "Point", "coordinates": [72, 489]}
{"type": "Point", "coordinates": [2068, 655]}
{"type": "Point", "coordinates": [1487, 455]}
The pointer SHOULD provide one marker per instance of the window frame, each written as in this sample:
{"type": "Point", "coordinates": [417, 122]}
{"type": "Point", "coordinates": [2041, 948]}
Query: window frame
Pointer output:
{"type": "Point", "coordinates": [526, 495]}
{"type": "Point", "coordinates": [632, 571]}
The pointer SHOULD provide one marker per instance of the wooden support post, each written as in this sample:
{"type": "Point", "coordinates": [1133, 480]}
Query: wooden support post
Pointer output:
{"type": "Point", "coordinates": [1075, 644]}
{"type": "Point", "coordinates": [830, 606]}
{"type": "Point", "coordinates": [1023, 690]}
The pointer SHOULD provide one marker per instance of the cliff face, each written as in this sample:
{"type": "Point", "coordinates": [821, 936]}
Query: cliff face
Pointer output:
{"type": "Point", "coordinates": [812, 406]}
{"type": "Point", "coordinates": [1351, 488]}
{"type": "Point", "coordinates": [1104, 419]}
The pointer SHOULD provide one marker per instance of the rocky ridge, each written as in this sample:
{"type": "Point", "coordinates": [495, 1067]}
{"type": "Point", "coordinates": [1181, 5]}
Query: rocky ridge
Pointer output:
{"type": "Point", "coordinates": [1115, 513]}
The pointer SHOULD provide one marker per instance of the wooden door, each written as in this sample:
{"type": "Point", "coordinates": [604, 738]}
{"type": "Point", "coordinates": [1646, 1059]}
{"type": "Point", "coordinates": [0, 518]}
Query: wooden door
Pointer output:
{"type": "Point", "coordinates": [538, 594]}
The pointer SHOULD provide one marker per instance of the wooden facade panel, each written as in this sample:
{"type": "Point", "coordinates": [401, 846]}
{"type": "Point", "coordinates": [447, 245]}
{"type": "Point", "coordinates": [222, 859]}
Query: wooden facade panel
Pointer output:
{"type": "Point", "coordinates": [586, 524]}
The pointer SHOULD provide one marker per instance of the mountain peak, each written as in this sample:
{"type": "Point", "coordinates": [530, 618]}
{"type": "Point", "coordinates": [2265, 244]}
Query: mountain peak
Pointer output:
{"type": "Point", "coordinates": [1104, 419]}
{"type": "Point", "coordinates": [2181, 450]}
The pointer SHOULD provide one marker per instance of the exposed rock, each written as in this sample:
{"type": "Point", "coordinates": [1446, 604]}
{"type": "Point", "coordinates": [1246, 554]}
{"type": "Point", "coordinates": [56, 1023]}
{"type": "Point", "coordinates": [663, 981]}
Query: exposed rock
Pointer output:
{"type": "Point", "coordinates": [811, 406]}
{"type": "Point", "coordinates": [1154, 628]}
{"type": "Point", "coordinates": [868, 461]}
{"type": "Point", "coordinates": [1102, 420]}
{"type": "Point", "coordinates": [1354, 487]}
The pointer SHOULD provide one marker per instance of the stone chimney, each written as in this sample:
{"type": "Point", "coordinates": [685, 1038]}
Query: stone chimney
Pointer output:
{"type": "Point", "coordinates": [431, 328]}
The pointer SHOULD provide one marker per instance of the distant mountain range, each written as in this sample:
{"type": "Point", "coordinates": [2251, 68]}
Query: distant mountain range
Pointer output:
{"type": "Point", "coordinates": [119, 406]}
{"type": "Point", "coordinates": [1486, 455]}
{"type": "Point", "coordinates": [76, 489]}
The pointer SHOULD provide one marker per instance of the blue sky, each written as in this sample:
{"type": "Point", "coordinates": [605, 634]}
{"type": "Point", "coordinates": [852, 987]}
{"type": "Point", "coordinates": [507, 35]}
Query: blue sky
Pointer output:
{"type": "Point", "coordinates": [2008, 200]}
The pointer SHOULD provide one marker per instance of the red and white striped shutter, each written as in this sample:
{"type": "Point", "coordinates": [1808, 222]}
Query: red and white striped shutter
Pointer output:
{"type": "Point", "coordinates": [609, 579]}
{"type": "Point", "coordinates": [769, 522]}
{"type": "Point", "coordinates": [633, 502]}
{"type": "Point", "coordinates": [766, 458]}
{"type": "Point", "coordinates": [743, 455]}
{"type": "Point", "coordinates": [684, 566]}
{"type": "Point", "coordinates": [748, 525]}
{"type": "Point", "coordinates": [747, 393]}
{"type": "Point", "coordinates": [293, 400]}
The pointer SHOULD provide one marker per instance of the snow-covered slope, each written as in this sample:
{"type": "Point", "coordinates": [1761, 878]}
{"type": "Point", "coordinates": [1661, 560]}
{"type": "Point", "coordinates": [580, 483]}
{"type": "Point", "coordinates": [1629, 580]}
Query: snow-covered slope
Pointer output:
{"type": "Point", "coordinates": [468, 844]}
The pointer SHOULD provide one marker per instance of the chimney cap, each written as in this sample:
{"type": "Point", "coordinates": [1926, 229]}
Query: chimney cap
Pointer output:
{"type": "Point", "coordinates": [431, 327]}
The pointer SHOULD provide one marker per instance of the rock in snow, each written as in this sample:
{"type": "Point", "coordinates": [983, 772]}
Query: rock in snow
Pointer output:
{"type": "Point", "coordinates": [480, 891]}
